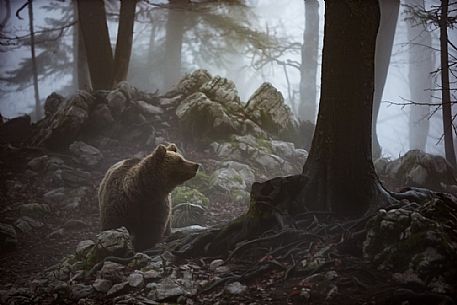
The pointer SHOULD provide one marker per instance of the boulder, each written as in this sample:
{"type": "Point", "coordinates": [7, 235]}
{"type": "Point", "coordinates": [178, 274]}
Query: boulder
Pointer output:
{"type": "Point", "coordinates": [419, 169]}
{"type": "Point", "coordinates": [85, 154]}
{"type": "Point", "coordinates": [34, 210]}
{"type": "Point", "coordinates": [417, 243]}
{"type": "Point", "coordinates": [113, 243]}
{"type": "Point", "coordinates": [267, 108]}
{"type": "Point", "coordinates": [63, 127]}
{"type": "Point", "coordinates": [192, 82]}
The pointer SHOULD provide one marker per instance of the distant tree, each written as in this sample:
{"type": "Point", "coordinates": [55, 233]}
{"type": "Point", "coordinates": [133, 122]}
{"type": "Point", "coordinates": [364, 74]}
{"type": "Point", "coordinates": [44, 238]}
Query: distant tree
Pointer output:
{"type": "Point", "coordinates": [92, 17]}
{"type": "Point", "coordinates": [421, 65]}
{"type": "Point", "coordinates": [308, 68]}
{"type": "Point", "coordinates": [81, 77]}
{"type": "Point", "coordinates": [384, 44]}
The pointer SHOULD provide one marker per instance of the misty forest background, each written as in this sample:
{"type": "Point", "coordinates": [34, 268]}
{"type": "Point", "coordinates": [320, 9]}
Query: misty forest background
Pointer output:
{"type": "Point", "coordinates": [248, 42]}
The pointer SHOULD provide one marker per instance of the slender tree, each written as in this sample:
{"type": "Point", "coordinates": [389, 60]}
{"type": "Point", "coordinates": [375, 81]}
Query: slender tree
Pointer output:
{"type": "Point", "coordinates": [384, 44]}
{"type": "Point", "coordinates": [81, 77]}
{"type": "Point", "coordinates": [34, 64]}
{"type": "Point", "coordinates": [308, 69]}
{"type": "Point", "coordinates": [445, 90]}
{"type": "Point", "coordinates": [175, 28]}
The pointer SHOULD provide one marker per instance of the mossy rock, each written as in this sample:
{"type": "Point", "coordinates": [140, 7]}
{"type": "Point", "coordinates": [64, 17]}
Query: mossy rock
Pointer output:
{"type": "Point", "coordinates": [200, 182]}
{"type": "Point", "coordinates": [184, 194]}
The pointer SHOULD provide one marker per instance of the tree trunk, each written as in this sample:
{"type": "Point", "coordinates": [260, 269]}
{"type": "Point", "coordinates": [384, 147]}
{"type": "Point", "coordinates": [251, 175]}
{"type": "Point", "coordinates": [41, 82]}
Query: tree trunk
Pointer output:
{"type": "Point", "coordinates": [124, 40]}
{"type": "Point", "coordinates": [384, 43]}
{"type": "Point", "coordinates": [92, 20]}
{"type": "Point", "coordinates": [34, 65]}
{"type": "Point", "coordinates": [81, 77]}
{"type": "Point", "coordinates": [308, 69]}
{"type": "Point", "coordinates": [173, 42]}
{"type": "Point", "coordinates": [445, 92]}
{"type": "Point", "coordinates": [421, 65]}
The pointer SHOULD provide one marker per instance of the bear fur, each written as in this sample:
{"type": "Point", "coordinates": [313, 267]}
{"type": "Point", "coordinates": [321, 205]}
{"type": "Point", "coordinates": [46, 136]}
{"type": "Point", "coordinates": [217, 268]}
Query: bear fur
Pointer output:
{"type": "Point", "coordinates": [135, 193]}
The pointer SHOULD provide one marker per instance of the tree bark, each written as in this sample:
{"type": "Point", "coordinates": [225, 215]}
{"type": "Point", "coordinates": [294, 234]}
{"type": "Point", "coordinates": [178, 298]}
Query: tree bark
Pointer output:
{"type": "Point", "coordinates": [308, 70]}
{"type": "Point", "coordinates": [445, 92]}
{"type": "Point", "coordinates": [97, 43]}
{"type": "Point", "coordinates": [173, 42]}
{"type": "Point", "coordinates": [124, 40]}
{"type": "Point", "coordinates": [421, 65]}
{"type": "Point", "coordinates": [81, 77]}
{"type": "Point", "coordinates": [384, 44]}
{"type": "Point", "coordinates": [38, 112]}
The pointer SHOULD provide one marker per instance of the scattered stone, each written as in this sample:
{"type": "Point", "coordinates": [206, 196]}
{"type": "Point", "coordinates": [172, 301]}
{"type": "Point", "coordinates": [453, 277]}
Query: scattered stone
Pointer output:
{"type": "Point", "coordinates": [34, 210]}
{"type": "Point", "coordinates": [85, 154]}
{"type": "Point", "coordinates": [26, 224]}
{"type": "Point", "coordinates": [39, 163]}
{"type": "Point", "coordinates": [235, 288]}
{"type": "Point", "coordinates": [148, 109]}
{"type": "Point", "coordinates": [215, 263]}
{"type": "Point", "coordinates": [84, 247]}
{"type": "Point", "coordinates": [118, 289]}
{"type": "Point", "coordinates": [102, 285]}
{"type": "Point", "coordinates": [8, 239]}
{"type": "Point", "coordinates": [136, 280]}
{"type": "Point", "coordinates": [79, 291]}
{"type": "Point", "coordinates": [114, 243]}
{"type": "Point", "coordinates": [112, 271]}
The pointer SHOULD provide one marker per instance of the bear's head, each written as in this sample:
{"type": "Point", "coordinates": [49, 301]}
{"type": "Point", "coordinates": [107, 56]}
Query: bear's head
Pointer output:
{"type": "Point", "coordinates": [170, 167]}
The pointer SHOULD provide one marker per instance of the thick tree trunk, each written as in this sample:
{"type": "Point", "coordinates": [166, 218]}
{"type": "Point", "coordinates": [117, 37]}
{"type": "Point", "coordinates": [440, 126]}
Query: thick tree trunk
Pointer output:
{"type": "Point", "coordinates": [339, 169]}
{"type": "Point", "coordinates": [445, 92]}
{"type": "Point", "coordinates": [124, 40]}
{"type": "Point", "coordinates": [173, 42]}
{"type": "Point", "coordinates": [308, 70]}
{"type": "Point", "coordinates": [97, 43]}
{"type": "Point", "coordinates": [34, 64]}
{"type": "Point", "coordinates": [384, 43]}
{"type": "Point", "coordinates": [421, 65]}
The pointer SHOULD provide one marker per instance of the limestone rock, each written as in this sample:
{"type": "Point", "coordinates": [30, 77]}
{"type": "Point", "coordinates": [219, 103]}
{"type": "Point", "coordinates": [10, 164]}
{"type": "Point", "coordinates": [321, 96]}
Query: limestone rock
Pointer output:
{"type": "Point", "coordinates": [26, 224]}
{"type": "Point", "coordinates": [113, 243]}
{"type": "Point", "coordinates": [102, 285]}
{"type": "Point", "coordinates": [112, 271]}
{"type": "Point", "coordinates": [34, 210]}
{"type": "Point", "coordinates": [266, 107]}
{"type": "Point", "coordinates": [85, 154]}
{"type": "Point", "coordinates": [192, 82]}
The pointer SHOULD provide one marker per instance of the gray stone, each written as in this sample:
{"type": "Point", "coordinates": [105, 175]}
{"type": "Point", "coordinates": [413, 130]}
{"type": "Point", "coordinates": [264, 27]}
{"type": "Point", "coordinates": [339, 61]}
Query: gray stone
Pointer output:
{"type": "Point", "coordinates": [26, 224]}
{"type": "Point", "coordinates": [55, 195]}
{"type": "Point", "coordinates": [114, 243]}
{"type": "Point", "coordinates": [39, 163]}
{"type": "Point", "coordinates": [118, 289]}
{"type": "Point", "coordinates": [79, 291]}
{"type": "Point", "coordinates": [85, 154]}
{"type": "Point", "coordinates": [266, 107]}
{"type": "Point", "coordinates": [8, 240]}
{"type": "Point", "coordinates": [215, 264]}
{"type": "Point", "coordinates": [34, 210]}
{"type": "Point", "coordinates": [235, 288]}
{"type": "Point", "coordinates": [117, 102]}
{"type": "Point", "coordinates": [190, 229]}
{"type": "Point", "coordinates": [136, 280]}
{"type": "Point", "coordinates": [102, 285]}
{"type": "Point", "coordinates": [113, 272]}
{"type": "Point", "coordinates": [167, 288]}
{"type": "Point", "coordinates": [83, 247]}
{"type": "Point", "coordinates": [192, 82]}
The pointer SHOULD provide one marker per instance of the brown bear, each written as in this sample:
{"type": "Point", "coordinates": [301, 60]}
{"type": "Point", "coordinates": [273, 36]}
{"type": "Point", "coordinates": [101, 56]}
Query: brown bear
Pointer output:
{"type": "Point", "coordinates": [135, 193]}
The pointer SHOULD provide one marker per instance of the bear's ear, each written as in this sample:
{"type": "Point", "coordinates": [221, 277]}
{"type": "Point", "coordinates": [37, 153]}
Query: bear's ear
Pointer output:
{"type": "Point", "coordinates": [172, 147]}
{"type": "Point", "coordinates": [160, 152]}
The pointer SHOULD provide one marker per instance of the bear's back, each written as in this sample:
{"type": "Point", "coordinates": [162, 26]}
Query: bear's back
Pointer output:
{"type": "Point", "coordinates": [111, 196]}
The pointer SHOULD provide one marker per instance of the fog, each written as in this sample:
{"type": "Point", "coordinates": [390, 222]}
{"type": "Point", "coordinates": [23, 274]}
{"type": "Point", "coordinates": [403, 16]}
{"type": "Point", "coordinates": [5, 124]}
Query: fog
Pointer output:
{"type": "Point", "coordinates": [283, 20]}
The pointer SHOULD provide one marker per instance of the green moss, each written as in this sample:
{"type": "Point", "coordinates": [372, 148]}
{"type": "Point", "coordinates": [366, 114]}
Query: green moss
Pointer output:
{"type": "Point", "coordinates": [265, 144]}
{"type": "Point", "coordinates": [200, 182]}
{"type": "Point", "coordinates": [184, 194]}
